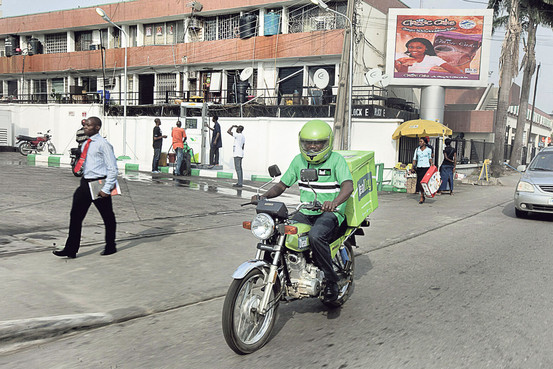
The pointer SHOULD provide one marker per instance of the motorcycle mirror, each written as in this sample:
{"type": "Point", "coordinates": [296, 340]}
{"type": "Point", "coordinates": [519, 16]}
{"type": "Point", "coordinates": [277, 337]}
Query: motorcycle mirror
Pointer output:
{"type": "Point", "coordinates": [274, 171]}
{"type": "Point", "coordinates": [309, 175]}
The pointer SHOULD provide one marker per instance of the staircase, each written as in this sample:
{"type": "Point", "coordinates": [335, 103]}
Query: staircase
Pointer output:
{"type": "Point", "coordinates": [492, 104]}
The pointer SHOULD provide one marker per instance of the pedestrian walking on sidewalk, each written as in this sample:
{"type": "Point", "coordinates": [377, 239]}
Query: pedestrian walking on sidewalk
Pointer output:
{"type": "Point", "coordinates": [422, 161]}
{"type": "Point", "coordinates": [448, 167]}
{"type": "Point", "coordinates": [179, 137]}
{"type": "Point", "coordinates": [216, 142]}
{"type": "Point", "coordinates": [99, 162]}
{"type": "Point", "coordinates": [157, 143]}
{"type": "Point", "coordinates": [238, 152]}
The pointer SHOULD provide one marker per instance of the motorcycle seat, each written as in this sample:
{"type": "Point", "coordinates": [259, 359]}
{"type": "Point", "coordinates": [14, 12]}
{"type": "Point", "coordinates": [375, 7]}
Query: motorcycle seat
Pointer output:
{"type": "Point", "coordinates": [26, 138]}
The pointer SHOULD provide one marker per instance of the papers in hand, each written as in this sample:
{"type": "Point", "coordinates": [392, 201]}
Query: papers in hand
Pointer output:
{"type": "Point", "coordinates": [97, 185]}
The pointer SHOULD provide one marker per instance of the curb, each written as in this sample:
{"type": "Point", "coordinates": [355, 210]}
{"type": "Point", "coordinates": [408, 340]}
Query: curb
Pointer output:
{"type": "Point", "coordinates": [17, 331]}
{"type": "Point", "coordinates": [126, 166]}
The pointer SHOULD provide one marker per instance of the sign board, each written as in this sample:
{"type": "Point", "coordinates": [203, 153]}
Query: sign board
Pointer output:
{"type": "Point", "coordinates": [448, 47]}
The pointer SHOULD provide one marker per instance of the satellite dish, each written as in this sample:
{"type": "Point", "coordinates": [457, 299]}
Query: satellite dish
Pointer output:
{"type": "Point", "coordinates": [246, 74]}
{"type": "Point", "coordinates": [373, 75]}
{"type": "Point", "coordinates": [321, 78]}
{"type": "Point", "coordinates": [385, 80]}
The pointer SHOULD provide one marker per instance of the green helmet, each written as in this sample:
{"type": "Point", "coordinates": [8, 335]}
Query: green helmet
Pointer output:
{"type": "Point", "coordinates": [315, 140]}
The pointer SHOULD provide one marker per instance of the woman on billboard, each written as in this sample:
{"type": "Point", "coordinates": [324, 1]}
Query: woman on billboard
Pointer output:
{"type": "Point", "coordinates": [420, 57]}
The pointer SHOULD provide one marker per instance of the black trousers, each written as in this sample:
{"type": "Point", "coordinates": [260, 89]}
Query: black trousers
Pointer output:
{"type": "Point", "coordinates": [323, 228]}
{"type": "Point", "coordinates": [214, 156]}
{"type": "Point", "coordinates": [79, 208]}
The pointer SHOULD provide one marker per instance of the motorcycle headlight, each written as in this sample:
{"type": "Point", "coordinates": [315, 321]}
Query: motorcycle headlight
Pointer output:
{"type": "Point", "coordinates": [525, 187]}
{"type": "Point", "coordinates": [263, 226]}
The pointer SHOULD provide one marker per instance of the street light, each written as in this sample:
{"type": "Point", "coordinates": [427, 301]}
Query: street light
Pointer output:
{"type": "Point", "coordinates": [105, 17]}
{"type": "Point", "coordinates": [325, 7]}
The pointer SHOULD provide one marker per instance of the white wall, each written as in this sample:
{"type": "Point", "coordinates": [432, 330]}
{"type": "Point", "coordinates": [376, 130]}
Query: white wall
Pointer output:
{"type": "Point", "coordinates": [268, 140]}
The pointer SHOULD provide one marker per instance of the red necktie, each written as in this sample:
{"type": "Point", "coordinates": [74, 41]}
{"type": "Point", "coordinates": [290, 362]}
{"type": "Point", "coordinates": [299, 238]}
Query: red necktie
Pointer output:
{"type": "Point", "coordinates": [80, 163]}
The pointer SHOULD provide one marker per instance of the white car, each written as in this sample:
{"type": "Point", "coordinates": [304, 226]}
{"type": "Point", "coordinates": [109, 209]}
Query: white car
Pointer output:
{"type": "Point", "coordinates": [534, 192]}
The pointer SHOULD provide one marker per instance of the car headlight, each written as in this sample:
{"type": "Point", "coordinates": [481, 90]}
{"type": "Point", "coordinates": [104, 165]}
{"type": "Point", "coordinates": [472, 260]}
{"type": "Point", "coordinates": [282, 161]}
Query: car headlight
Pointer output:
{"type": "Point", "coordinates": [525, 187]}
{"type": "Point", "coordinates": [263, 226]}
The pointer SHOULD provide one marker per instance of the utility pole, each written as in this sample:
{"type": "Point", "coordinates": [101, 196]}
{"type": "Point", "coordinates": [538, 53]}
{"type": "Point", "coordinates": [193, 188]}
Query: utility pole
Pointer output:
{"type": "Point", "coordinates": [342, 115]}
{"type": "Point", "coordinates": [532, 115]}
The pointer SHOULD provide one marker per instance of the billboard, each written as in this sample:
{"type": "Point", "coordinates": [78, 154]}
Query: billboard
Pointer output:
{"type": "Point", "coordinates": [448, 47]}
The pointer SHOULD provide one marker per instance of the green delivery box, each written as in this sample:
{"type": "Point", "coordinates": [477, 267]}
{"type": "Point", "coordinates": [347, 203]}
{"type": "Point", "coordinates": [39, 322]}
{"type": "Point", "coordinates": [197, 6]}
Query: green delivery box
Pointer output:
{"type": "Point", "coordinates": [364, 199]}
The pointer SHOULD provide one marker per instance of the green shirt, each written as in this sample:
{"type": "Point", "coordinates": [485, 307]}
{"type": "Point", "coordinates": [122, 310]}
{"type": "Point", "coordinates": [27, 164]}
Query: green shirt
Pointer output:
{"type": "Point", "coordinates": [332, 173]}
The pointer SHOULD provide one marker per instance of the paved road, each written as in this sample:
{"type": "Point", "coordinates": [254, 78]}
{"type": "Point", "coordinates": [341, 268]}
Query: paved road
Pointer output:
{"type": "Point", "coordinates": [457, 282]}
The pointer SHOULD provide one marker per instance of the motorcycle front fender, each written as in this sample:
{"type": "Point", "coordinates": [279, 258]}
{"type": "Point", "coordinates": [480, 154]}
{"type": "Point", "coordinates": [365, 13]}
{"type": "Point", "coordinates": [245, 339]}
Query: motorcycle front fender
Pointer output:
{"type": "Point", "coordinates": [247, 266]}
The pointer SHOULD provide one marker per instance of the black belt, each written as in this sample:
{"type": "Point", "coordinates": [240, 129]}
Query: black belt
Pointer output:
{"type": "Point", "coordinates": [93, 179]}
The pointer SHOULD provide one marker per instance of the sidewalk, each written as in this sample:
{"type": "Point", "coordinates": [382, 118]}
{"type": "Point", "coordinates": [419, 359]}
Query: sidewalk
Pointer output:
{"type": "Point", "coordinates": [171, 253]}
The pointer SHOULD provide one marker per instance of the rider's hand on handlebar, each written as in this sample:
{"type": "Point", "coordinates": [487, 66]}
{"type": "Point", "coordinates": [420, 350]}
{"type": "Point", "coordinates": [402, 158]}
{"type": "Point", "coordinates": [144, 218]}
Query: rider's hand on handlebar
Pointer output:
{"type": "Point", "coordinates": [257, 198]}
{"type": "Point", "coordinates": [329, 206]}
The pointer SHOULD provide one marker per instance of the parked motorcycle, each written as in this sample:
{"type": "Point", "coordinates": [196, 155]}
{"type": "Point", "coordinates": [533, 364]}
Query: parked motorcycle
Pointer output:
{"type": "Point", "coordinates": [28, 144]}
{"type": "Point", "coordinates": [75, 154]}
{"type": "Point", "coordinates": [282, 270]}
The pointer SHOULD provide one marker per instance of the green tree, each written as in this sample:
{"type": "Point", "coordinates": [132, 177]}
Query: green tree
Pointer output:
{"type": "Point", "coordinates": [531, 14]}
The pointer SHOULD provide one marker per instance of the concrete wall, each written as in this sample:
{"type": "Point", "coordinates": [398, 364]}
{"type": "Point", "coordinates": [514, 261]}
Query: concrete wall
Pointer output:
{"type": "Point", "coordinates": [268, 140]}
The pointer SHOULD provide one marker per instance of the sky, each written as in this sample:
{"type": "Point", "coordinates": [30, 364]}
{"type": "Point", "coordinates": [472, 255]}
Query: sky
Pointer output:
{"type": "Point", "coordinates": [544, 47]}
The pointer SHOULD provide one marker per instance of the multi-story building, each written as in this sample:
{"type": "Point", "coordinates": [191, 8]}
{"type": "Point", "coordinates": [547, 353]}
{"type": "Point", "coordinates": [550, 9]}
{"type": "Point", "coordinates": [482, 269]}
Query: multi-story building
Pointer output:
{"type": "Point", "coordinates": [206, 50]}
{"type": "Point", "coordinates": [179, 50]}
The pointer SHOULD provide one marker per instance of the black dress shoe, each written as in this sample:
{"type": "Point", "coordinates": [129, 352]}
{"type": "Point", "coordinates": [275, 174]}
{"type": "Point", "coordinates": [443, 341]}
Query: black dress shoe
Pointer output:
{"type": "Point", "coordinates": [62, 253]}
{"type": "Point", "coordinates": [331, 292]}
{"type": "Point", "coordinates": [108, 252]}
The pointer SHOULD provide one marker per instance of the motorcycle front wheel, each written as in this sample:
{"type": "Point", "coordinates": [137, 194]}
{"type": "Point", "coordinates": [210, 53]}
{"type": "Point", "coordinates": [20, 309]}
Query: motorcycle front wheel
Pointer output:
{"type": "Point", "coordinates": [344, 265]}
{"type": "Point", "coordinates": [25, 148]}
{"type": "Point", "coordinates": [51, 148]}
{"type": "Point", "coordinates": [244, 328]}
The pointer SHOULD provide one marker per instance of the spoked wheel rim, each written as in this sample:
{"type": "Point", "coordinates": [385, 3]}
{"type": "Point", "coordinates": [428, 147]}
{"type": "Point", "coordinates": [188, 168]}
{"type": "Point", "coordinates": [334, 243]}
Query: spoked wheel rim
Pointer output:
{"type": "Point", "coordinates": [25, 149]}
{"type": "Point", "coordinates": [249, 325]}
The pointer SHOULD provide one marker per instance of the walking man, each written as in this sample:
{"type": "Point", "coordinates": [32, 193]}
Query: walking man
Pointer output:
{"type": "Point", "coordinates": [238, 152]}
{"type": "Point", "coordinates": [99, 162]}
{"type": "Point", "coordinates": [158, 141]}
{"type": "Point", "coordinates": [216, 142]}
{"type": "Point", "coordinates": [179, 136]}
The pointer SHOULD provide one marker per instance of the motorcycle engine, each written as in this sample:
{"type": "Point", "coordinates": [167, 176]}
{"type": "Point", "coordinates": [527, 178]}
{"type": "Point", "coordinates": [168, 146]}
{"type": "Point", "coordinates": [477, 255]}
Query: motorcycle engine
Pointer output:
{"type": "Point", "coordinates": [305, 277]}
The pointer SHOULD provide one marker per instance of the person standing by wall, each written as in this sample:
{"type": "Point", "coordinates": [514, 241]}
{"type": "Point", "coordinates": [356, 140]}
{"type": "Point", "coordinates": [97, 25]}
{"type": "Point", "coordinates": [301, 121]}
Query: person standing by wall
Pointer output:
{"type": "Point", "coordinates": [179, 136]}
{"type": "Point", "coordinates": [238, 152]}
{"type": "Point", "coordinates": [448, 167]}
{"type": "Point", "coordinates": [216, 142]}
{"type": "Point", "coordinates": [158, 142]}
{"type": "Point", "coordinates": [422, 160]}
{"type": "Point", "coordinates": [80, 136]}
{"type": "Point", "coordinates": [99, 162]}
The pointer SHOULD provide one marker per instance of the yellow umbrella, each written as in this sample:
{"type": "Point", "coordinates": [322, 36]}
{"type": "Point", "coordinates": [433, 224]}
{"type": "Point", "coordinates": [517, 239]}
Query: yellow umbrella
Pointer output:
{"type": "Point", "coordinates": [421, 128]}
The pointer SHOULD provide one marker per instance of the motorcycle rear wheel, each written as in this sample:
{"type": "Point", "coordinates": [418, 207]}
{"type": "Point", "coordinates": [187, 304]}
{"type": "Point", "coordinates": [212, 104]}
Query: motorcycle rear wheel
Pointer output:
{"type": "Point", "coordinates": [51, 148]}
{"type": "Point", "coordinates": [346, 275]}
{"type": "Point", "coordinates": [246, 330]}
{"type": "Point", "coordinates": [25, 148]}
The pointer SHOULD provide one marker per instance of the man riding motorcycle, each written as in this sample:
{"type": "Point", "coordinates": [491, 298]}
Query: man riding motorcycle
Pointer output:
{"type": "Point", "coordinates": [334, 187]}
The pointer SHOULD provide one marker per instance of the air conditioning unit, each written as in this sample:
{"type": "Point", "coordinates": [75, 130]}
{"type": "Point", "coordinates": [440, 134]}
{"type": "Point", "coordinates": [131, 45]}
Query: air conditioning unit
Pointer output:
{"type": "Point", "coordinates": [195, 23]}
{"type": "Point", "coordinates": [94, 47]}
{"type": "Point", "coordinates": [193, 75]}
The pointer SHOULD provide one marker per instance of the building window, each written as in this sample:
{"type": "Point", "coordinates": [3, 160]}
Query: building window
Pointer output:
{"type": "Point", "coordinates": [116, 34]}
{"type": "Point", "coordinates": [210, 25]}
{"type": "Point", "coordinates": [223, 27]}
{"type": "Point", "coordinates": [133, 32]}
{"type": "Point", "coordinates": [228, 26]}
{"type": "Point", "coordinates": [83, 40]}
{"type": "Point", "coordinates": [40, 90]}
{"type": "Point", "coordinates": [171, 30]}
{"type": "Point", "coordinates": [159, 34]}
{"type": "Point", "coordinates": [56, 43]}
{"type": "Point", "coordinates": [166, 84]}
{"type": "Point", "coordinates": [307, 19]}
{"type": "Point", "coordinates": [104, 38]}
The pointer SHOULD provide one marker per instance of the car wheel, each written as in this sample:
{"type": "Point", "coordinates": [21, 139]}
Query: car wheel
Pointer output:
{"type": "Point", "coordinates": [521, 213]}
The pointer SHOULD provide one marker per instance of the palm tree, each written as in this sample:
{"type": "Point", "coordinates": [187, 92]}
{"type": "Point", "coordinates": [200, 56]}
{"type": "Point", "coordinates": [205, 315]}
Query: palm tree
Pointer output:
{"type": "Point", "coordinates": [532, 14]}
{"type": "Point", "coordinates": [508, 67]}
